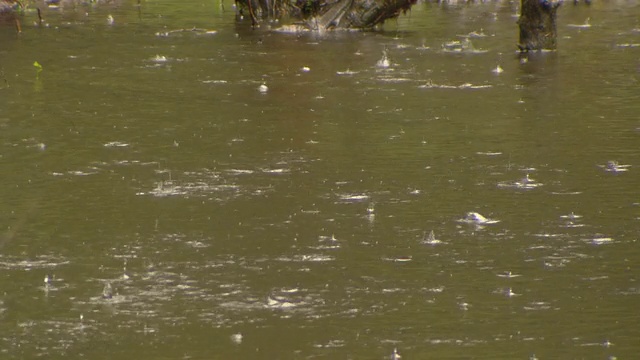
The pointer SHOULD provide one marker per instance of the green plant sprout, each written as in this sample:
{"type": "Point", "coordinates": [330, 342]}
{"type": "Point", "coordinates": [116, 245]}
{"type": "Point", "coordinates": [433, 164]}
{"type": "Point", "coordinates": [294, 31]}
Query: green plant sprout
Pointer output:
{"type": "Point", "coordinates": [38, 69]}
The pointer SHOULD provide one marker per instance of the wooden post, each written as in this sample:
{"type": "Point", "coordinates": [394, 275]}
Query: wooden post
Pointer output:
{"type": "Point", "coordinates": [538, 24]}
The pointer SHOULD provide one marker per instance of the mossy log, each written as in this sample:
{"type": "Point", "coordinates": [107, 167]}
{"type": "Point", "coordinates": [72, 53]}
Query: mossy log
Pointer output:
{"type": "Point", "coordinates": [538, 25]}
{"type": "Point", "coordinates": [320, 15]}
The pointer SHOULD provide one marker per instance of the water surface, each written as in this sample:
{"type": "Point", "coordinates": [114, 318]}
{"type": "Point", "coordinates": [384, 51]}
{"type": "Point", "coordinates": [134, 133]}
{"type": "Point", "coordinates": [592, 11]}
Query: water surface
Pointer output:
{"type": "Point", "coordinates": [294, 222]}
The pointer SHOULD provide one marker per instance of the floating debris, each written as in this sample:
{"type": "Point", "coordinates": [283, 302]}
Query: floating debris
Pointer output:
{"type": "Point", "coordinates": [509, 293]}
{"type": "Point", "coordinates": [498, 70]}
{"type": "Point", "coordinates": [471, 86]}
{"type": "Point", "coordinates": [305, 69]}
{"type": "Point", "coordinates": [384, 62]}
{"type": "Point", "coordinates": [263, 88]}
{"type": "Point", "coordinates": [289, 290]}
{"type": "Point", "coordinates": [601, 240]}
{"type": "Point", "coordinates": [456, 45]}
{"type": "Point", "coordinates": [566, 192]}
{"type": "Point", "coordinates": [110, 20]}
{"type": "Point", "coordinates": [79, 173]}
{"type": "Point", "coordinates": [586, 24]}
{"type": "Point", "coordinates": [236, 338]}
{"type": "Point", "coordinates": [464, 46]}
{"type": "Point", "coordinates": [537, 306]}
{"type": "Point", "coordinates": [431, 85]}
{"type": "Point", "coordinates": [430, 239]}
{"type": "Point", "coordinates": [474, 34]}
{"type": "Point", "coordinates": [125, 276]}
{"type": "Point", "coordinates": [615, 167]}
{"type": "Point", "coordinates": [571, 220]}
{"type": "Point", "coordinates": [159, 59]}
{"type": "Point", "coordinates": [628, 45]}
{"type": "Point", "coordinates": [195, 30]}
{"type": "Point", "coordinates": [306, 258]}
{"type": "Point", "coordinates": [395, 80]}
{"type": "Point", "coordinates": [239, 171]}
{"type": "Point", "coordinates": [333, 243]}
{"type": "Point", "coordinates": [436, 290]}
{"type": "Point", "coordinates": [572, 224]}
{"type": "Point", "coordinates": [371, 217]}
{"type": "Point", "coordinates": [371, 208]}
{"type": "Point", "coordinates": [508, 275]}
{"type": "Point", "coordinates": [214, 81]}
{"type": "Point", "coordinates": [489, 153]}
{"type": "Point", "coordinates": [395, 355]}
{"type": "Point", "coordinates": [347, 72]}
{"type": "Point", "coordinates": [546, 236]}
{"type": "Point", "coordinates": [353, 197]}
{"type": "Point", "coordinates": [291, 29]}
{"type": "Point", "coordinates": [116, 144]}
{"type": "Point", "coordinates": [526, 183]}
{"type": "Point", "coordinates": [279, 303]}
{"type": "Point", "coordinates": [476, 218]}
{"type": "Point", "coordinates": [107, 291]}
{"type": "Point", "coordinates": [400, 259]}
{"type": "Point", "coordinates": [571, 216]}
{"type": "Point", "coordinates": [41, 262]}
{"type": "Point", "coordinates": [276, 171]}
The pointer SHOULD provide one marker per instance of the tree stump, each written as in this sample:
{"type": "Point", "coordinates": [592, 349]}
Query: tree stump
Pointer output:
{"type": "Point", "coordinates": [320, 15]}
{"type": "Point", "coordinates": [538, 25]}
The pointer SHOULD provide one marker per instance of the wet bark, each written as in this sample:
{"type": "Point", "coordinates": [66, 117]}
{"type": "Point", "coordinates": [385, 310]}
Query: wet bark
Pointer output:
{"type": "Point", "coordinates": [326, 14]}
{"type": "Point", "coordinates": [538, 25]}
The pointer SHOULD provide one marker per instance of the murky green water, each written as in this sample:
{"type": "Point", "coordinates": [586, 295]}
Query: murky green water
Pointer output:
{"type": "Point", "coordinates": [294, 223]}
